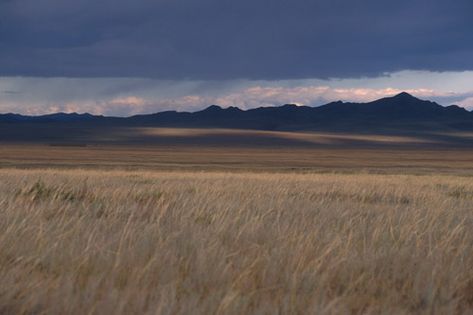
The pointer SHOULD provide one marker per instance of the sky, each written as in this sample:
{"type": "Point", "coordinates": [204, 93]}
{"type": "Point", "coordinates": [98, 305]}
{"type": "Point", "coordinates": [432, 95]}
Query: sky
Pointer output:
{"type": "Point", "coordinates": [124, 57]}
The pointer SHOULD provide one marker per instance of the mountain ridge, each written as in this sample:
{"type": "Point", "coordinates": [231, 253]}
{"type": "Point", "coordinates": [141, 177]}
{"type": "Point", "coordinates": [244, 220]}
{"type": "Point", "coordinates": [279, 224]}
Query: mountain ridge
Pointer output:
{"type": "Point", "coordinates": [399, 111]}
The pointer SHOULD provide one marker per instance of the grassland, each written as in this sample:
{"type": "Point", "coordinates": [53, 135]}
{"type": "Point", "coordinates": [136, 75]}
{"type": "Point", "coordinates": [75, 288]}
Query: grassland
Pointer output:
{"type": "Point", "coordinates": [180, 242]}
{"type": "Point", "coordinates": [193, 221]}
{"type": "Point", "coordinates": [429, 160]}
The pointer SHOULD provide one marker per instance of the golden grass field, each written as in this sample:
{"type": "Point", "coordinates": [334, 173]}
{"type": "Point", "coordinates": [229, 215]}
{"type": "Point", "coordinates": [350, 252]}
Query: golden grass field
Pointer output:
{"type": "Point", "coordinates": [99, 241]}
{"type": "Point", "coordinates": [193, 221]}
{"type": "Point", "coordinates": [428, 160]}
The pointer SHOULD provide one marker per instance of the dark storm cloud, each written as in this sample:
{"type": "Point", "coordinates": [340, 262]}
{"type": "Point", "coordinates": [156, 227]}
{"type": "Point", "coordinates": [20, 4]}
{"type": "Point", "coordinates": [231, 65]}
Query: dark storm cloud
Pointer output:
{"type": "Point", "coordinates": [11, 92]}
{"type": "Point", "coordinates": [222, 39]}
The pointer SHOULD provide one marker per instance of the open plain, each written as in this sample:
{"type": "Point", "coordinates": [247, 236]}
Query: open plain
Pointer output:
{"type": "Point", "coordinates": [235, 150]}
{"type": "Point", "coordinates": [136, 228]}
{"type": "Point", "coordinates": [134, 242]}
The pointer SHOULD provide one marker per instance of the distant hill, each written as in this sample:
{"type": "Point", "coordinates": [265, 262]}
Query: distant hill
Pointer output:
{"type": "Point", "coordinates": [400, 112]}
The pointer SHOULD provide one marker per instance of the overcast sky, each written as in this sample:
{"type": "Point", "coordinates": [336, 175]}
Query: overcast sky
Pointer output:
{"type": "Point", "coordinates": [121, 57]}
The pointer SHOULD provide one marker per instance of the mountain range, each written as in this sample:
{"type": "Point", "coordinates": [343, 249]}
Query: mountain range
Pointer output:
{"type": "Point", "coordinates": [400, 112]}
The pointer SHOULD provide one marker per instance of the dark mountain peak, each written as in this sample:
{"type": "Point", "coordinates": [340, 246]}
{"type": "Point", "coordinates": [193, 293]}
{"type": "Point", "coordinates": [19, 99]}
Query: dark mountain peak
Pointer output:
{"type": "Point", "coordinates": [215, 109]}
{"type": "Point", "coordinates": [404, 101]}
{"type": "Point", "coordinates": [403, 94]}
{"type": "Point", "coordinates": [69, 117]}
{"type": "Point", "coordinates": [233, 109]}
{"type": "Point", "coordinates": [404, 97]}
{"type": "Point", "coordinates": [456, 108]}
{"type": "Point", "coordinates": [212, 108]}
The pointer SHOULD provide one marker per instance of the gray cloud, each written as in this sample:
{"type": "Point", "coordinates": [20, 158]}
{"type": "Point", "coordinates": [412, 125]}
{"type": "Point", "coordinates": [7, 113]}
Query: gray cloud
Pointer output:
{"type": "Point", "coordinates": [11, 92]}
{"type": "Point", "coordinates": [223, 39]}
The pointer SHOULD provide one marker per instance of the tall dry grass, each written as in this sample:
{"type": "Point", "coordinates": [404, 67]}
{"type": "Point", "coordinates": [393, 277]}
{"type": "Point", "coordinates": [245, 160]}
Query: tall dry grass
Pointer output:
{"type": "Point", "coordinates": [91, 242]}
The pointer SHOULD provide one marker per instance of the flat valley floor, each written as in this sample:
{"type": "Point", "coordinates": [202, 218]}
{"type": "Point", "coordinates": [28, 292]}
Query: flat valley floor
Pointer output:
{"type": "Point", "coordinates": [195, 227]}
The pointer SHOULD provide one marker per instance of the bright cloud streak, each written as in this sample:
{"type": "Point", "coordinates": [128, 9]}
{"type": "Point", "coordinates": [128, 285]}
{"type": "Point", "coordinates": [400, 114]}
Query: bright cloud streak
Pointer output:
{"type": "Point", "coordinates": [124, 97]}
